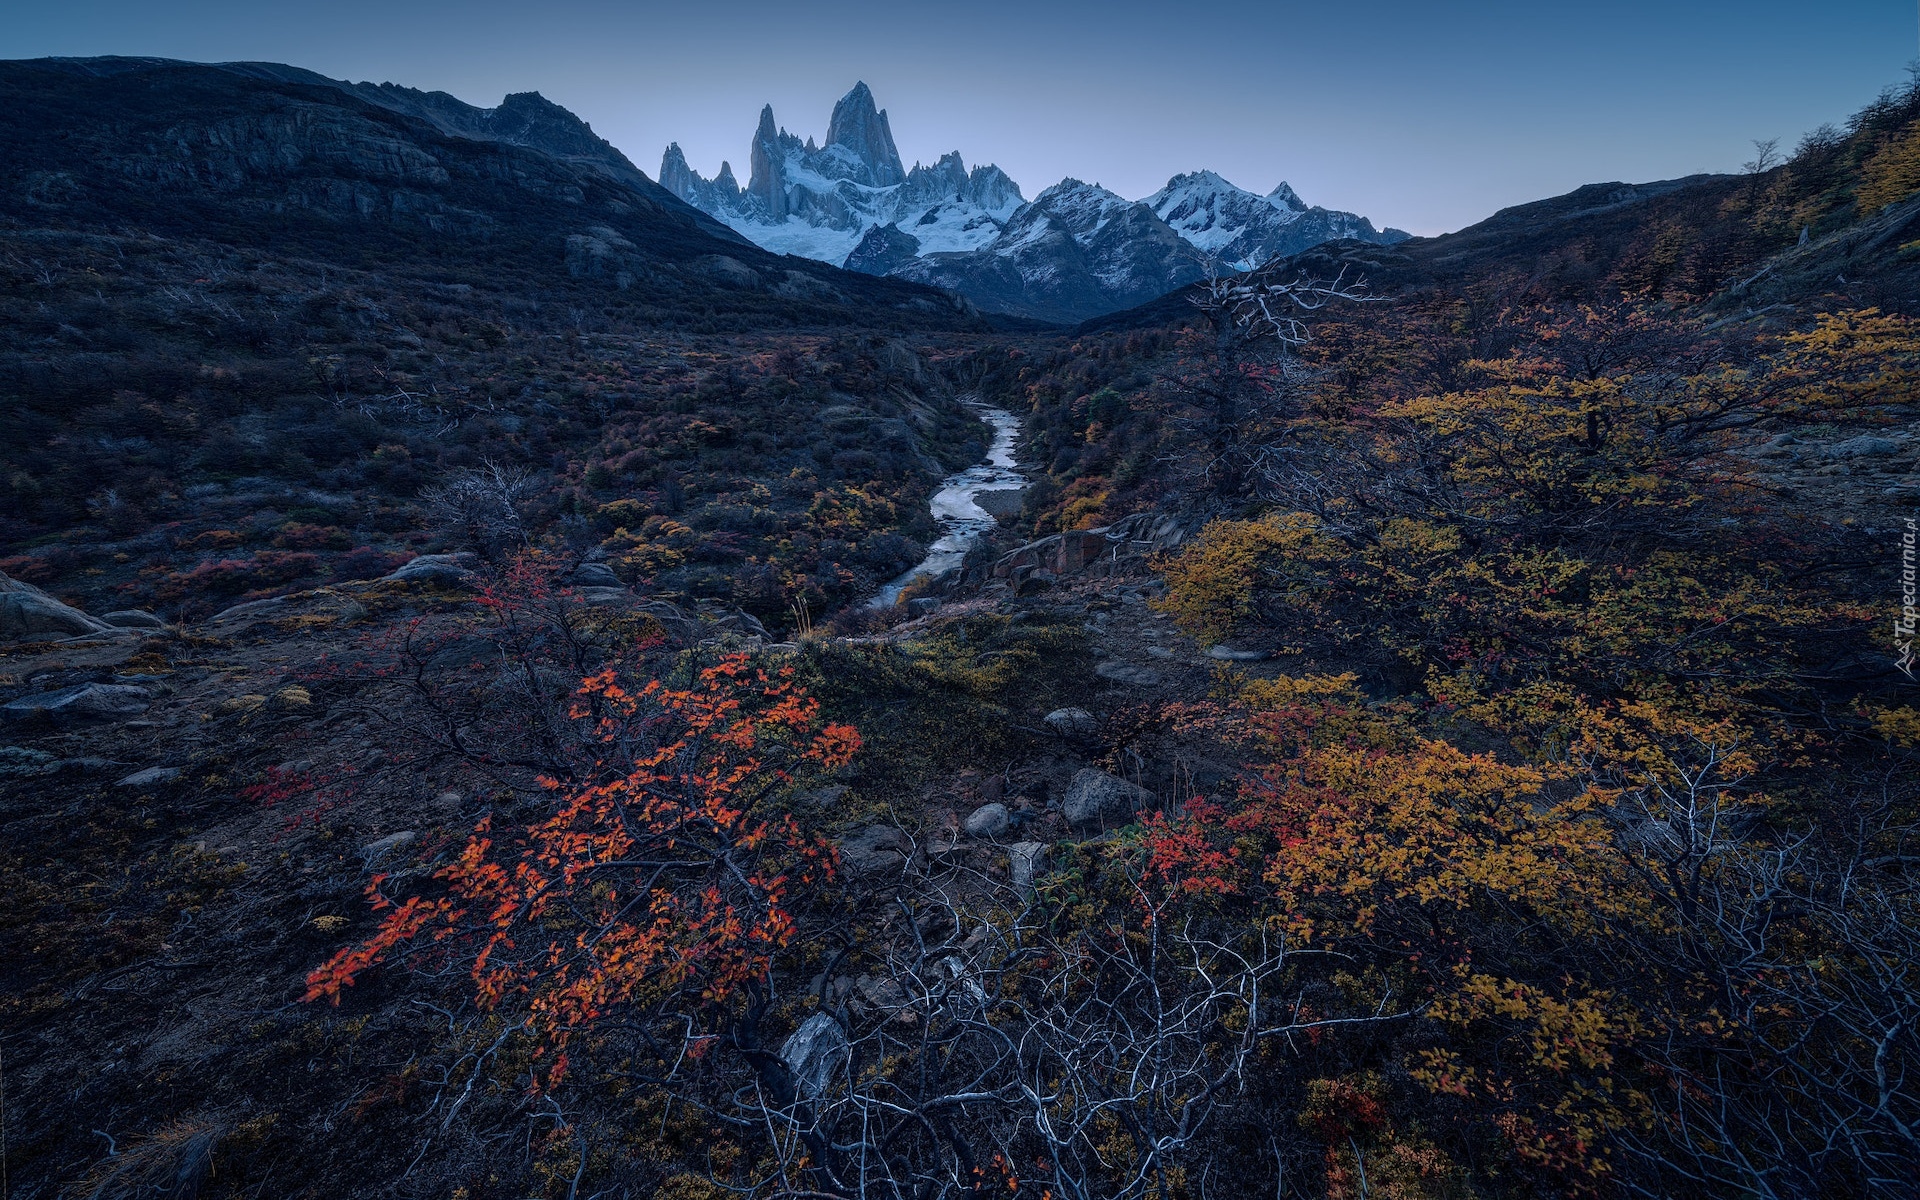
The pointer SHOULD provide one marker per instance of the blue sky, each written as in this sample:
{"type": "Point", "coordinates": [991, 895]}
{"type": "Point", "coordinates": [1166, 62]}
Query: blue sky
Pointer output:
{"type": "Point", "coordinates": [1426, 116]}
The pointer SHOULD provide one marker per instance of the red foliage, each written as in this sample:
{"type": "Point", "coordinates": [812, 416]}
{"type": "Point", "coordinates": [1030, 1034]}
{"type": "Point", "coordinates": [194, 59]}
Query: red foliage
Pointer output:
{"type": "Point", "coordinates": [661, 883]}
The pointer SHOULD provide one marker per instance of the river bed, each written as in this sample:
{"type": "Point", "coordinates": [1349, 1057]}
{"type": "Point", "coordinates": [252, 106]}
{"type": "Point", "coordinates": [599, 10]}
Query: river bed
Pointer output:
{"type": "Point", "coordinates": [956, 506]}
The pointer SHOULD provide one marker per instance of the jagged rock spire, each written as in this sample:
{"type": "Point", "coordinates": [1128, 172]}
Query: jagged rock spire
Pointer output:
{"type": "Point", "coordinates": [675, 175]}
{"type": "Point", "coordinates": [767, 179]}
{"type": "Point", "coordinates": [862, 130]}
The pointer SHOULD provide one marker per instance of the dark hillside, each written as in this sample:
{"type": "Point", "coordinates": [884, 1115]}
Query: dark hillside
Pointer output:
{"type": "Point", "coordinates": [1457, 741]}
{"type": "Point", "coordinates": [236, 291]}
{"type": "Point", "coordinates": [313, 170]}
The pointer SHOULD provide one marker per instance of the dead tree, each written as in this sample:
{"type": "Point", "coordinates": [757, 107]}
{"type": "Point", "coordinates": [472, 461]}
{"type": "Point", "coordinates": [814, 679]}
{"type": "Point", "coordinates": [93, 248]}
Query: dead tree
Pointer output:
{"type": "Point", "coordinates": [481, 506]}
{"type": "Point", "coordinates": [1247, 379]}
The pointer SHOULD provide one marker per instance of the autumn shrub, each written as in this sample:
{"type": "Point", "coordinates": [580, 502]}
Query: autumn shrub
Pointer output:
{"type": "Point", "coordinates": [1621, 745]}
{"type": "Point", "coordinates": [653, 892]}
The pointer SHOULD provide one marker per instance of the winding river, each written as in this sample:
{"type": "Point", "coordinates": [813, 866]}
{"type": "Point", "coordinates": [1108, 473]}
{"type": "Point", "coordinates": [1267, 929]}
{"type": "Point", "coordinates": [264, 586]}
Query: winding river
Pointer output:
{"type": "Point", "coordinates": [957, 508]}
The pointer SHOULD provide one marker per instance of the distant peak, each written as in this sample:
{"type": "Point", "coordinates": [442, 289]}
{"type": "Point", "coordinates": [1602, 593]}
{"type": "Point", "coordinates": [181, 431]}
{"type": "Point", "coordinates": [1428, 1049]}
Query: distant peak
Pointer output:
{"type": "Point", "coordinates": [1285, 197]}
{"type": "Point", "coordinates": [768, 130]}
{"type": "Point", "coordinates": [1200, 179]}
{"type": "Point", "coordinates": [861, 129]}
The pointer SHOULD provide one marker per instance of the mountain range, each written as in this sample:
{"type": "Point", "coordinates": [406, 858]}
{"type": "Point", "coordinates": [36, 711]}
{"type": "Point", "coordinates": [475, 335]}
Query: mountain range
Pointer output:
{"type": "Point", "coordinates": [1077, 250]}
{"type": "Point", "coordinates": [523, 195]}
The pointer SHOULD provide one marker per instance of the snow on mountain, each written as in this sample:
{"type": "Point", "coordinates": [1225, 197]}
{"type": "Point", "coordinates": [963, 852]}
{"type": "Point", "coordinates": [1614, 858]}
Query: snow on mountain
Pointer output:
{"type": "Point", "coordinates": [821, 201]}
{"type": "Point", "coordinates": [1078, 250]}
{"type": "Point", "coordinates": [1243, 230]}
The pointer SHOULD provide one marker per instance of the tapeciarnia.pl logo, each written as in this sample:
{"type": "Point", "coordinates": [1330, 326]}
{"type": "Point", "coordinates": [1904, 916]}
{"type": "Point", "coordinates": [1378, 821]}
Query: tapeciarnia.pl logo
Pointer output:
{"type": "Point", "coordinates": [1903, 625]}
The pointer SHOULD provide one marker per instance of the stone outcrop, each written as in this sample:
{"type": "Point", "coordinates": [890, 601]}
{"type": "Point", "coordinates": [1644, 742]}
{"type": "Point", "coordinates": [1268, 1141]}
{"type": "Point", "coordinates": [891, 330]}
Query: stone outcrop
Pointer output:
{"type": "Point", "coordinates": [988, 821]}
{"type": "Point", "coordinates": [1108, 550]}
{"type": "Point", "coordinates": [876, 850]}
{"type": "Point", "coordinates": [26, 611]}
{"type": "Point", "coordinates": [81, 705]}
{"type": "Point", "coordinates": [1097, 800]}
{"type": "Point", "coordinates": [447, 570]}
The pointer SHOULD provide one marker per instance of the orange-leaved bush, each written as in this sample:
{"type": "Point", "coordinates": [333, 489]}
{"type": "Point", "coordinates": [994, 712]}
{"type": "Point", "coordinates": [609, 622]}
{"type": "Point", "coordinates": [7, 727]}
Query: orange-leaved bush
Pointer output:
{"type": "Point", "coordinates": [662, 884]}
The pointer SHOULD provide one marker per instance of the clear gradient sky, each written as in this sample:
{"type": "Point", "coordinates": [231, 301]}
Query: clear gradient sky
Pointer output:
{"type": "Point", "coordinates": [1425, 116]}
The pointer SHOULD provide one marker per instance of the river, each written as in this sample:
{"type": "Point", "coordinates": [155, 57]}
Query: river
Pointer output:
{"type": "Point", "coordinates": [956, 505]}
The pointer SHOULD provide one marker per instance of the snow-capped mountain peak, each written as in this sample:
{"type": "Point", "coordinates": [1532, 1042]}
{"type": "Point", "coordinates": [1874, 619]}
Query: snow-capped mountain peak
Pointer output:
{"type": "Point", "coordinates": [1076, 251]}
{"type": "Point", "coordinates": [1243, 229]}
{"type": "Point", "coordinates": [859, 136]}
{"type": "Point", "coordinates": [821, 200]}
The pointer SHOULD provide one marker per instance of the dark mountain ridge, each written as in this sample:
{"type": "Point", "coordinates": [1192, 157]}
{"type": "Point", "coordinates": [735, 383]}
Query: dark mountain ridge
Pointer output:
{"type": "Point", "coordinates": [286, 161]}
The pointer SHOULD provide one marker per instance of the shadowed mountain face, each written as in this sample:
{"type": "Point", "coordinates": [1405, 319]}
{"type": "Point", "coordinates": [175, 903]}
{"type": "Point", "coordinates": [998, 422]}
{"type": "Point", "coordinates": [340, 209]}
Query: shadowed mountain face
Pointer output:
{"type": "Point", "coordinates": [285, 161]}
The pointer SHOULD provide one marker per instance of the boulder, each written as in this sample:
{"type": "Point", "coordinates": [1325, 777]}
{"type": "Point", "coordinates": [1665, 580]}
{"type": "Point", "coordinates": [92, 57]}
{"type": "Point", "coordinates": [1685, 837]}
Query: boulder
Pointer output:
{"type": "Point", "coordinates": [151, 777]}
{"type": "Point", "coordinates": [133, 618]}
{"type": "Point", "coordinates": [596, 575]}
{"type": "Point", "coordinates": [881, 992]}
{"type": "Point", "coordinates": [1096, 799]}
{"type": "Point", "coordinates": [1032, 583]}
{"type": "Point", "coordinates": [379, 848]}
{"type": "Point", "coordinates": [25, 610]}
{"type": "Point", "coordinates": [446, 570]}
{"type": "Point", "coordinates": [876, 850]}
{"type": "Point", "coordinates": [593, 597]}
{"type": "Point", "coordinates": [1073, 722]}
{"type": "Point", "coordinates": [20, 762]}
{"type": "Point", "coordinates": [1024, 860]}
{"type": "Point", "coordinates": [1865, 446]}
{"type": "Point", "coordinates": [1225, 653]}
{"type": "Point", "coordinates": [815, 1052]}
{"type": "Point", "coordinates": [1123, 672]}
{"type": "Point", "coordinates": [80, 705]}
{"type": "Point", "coordinates": [988, 821]}
{"type": "Point", "coordinates": [923, 606]}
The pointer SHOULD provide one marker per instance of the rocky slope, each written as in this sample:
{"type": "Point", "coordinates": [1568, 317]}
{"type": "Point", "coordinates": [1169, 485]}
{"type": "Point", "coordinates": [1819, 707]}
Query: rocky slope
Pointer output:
{"type": "Point", "coordinates": [282, 160]}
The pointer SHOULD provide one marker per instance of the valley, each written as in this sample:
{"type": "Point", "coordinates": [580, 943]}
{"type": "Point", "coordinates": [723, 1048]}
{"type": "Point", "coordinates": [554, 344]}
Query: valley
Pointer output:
{"type": "Point", "coordinates": [521, 680]}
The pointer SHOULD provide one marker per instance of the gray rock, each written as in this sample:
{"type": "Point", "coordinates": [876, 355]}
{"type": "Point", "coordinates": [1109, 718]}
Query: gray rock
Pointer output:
{"type": "Point", "coordinates": [1225, 653]}
{"type": "Point", "coordinates": [596, 575]}
{"type": "Point", "coordinates": [988, 821]}
{"type": "Point", "coordinates": [881, 992]}
{"type": "Point", "coordinates": [379, 848]}
{"type": "Point", "coordinates": [965, 982]}
{"type": "Point", "coordinates": [1864, 446]}
{"type": "Point", "coordinates": [133, 618]}
{"type": "Point", "coordinates": [26, 610]}
{"type": "Point", "coordinates": [86, 703]}
{"type": "Point", "coordinates": [151, 777]}
{"type": "Point", "coordinates": [449, 570]}
{"type": "Point", "coordinates": [593, 597]}
{"type": "Point", "coordinates": [1073, 722]}
{"type": "Point", "coordinates": [1124, 672]}
{"type": "Point", "coordinates": [20, 762]}
{"type": "Point", "coordinates": [1024, 860]}
{"type": "Point", "coordinates": [1096, 799]}
{"type": "Point", "coordinates": [923, 606]}
{"type": "Point", "coordinates": [89, 765]}
{"type": "Point", "coordinates": [876, 850]}
{"type": "Point", "coordinates": [1035, 582]}
{"type": "Point", "coordinates": [815, 1052]}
